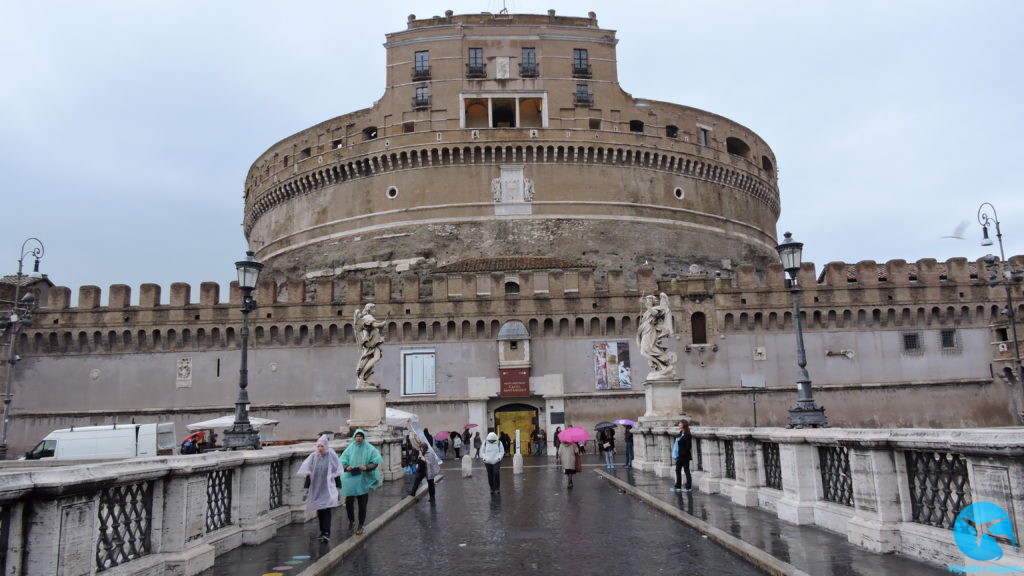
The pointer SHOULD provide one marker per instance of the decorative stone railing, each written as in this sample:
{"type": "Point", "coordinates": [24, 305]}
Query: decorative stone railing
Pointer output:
{"type": "Point", "coordinates": [897, 490]}
{"type": "Point", "coordinates": [169, 515]}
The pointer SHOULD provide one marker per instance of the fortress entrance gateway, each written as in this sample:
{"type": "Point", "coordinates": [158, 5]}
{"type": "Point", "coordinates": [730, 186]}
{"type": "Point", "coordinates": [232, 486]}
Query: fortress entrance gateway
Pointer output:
{"type": "Point", "coordinates": [512, 417]}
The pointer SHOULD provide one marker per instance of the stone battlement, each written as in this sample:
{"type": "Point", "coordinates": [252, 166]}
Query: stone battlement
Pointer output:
{"type": "Point", "coordinates": [459, 285]}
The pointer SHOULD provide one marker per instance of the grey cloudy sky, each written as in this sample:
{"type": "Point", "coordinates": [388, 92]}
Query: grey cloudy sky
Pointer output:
{"type": "Point", "coordinates": [127, 128]}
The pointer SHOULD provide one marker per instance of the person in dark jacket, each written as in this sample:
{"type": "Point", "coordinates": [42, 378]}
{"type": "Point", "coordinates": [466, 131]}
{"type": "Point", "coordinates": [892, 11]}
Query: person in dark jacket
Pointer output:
{"type": "Point", "coordinates": [627, 438]}
{"type": "Point", "coordinates": [477, 443]}
{"type": "Point", "coordinates": [506, 442]}
{"type": "Point", "coordinates": [608, 446]}
{"type": "Point", "coordinates": [682, 453]}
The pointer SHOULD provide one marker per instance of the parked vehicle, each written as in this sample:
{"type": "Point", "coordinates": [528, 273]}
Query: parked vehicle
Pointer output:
{"type": "Point", "coordinates": [113, 441]}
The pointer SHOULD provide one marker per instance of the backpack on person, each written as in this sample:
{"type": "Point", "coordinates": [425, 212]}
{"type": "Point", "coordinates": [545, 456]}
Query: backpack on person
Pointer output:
{"type": "Point", "coordinates": [457, 443]}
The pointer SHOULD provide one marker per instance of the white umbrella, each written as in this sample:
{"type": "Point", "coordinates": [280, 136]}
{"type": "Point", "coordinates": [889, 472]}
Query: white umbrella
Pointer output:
{"type": "Point", "coordinates": [396, 417]}
{"type": "Point", "coordinates": [227, 421]}
{"type": "Point", "coordinates": [265, 426]}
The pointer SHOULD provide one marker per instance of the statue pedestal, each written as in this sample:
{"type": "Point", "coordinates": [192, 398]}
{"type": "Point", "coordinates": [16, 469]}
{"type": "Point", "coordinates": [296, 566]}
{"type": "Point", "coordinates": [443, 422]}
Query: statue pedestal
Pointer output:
{"type": "Point", "coordinates": [657, 428]}
{"type": "Point", "coordinates": [366, 407]}
{"type": "Point", "coordinates": [663, 398]}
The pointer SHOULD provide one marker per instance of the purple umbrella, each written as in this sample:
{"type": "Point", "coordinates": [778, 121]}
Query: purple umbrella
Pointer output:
{"type": "Point", "coordinates": [624, 422]}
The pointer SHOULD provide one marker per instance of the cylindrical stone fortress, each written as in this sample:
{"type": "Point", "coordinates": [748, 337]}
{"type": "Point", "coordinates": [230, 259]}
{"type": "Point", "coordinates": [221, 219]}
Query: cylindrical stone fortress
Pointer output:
{"type": "Point", "coordinates": [508, 135]}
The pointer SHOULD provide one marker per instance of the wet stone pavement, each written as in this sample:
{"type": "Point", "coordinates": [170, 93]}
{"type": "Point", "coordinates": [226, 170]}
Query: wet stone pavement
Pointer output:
{"type": "Point", "coordinates": [811, 549]}
{"type": "Point", "coordinates": [537, 526]}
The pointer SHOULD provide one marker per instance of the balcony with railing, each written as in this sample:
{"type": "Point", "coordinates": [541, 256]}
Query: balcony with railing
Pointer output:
{"type": "Point", "coordinates": [420, 102]}
{"type": "Point", "coordinates": [476, 70]}
{"type": "Point", "coordinates": [420, 73]}
{"type": "Point", "coordinates": [583, 100]}
{"type": "Point", "coordinates": [582, 71]}
{"type": "Point", "coordinates": [529, 70]}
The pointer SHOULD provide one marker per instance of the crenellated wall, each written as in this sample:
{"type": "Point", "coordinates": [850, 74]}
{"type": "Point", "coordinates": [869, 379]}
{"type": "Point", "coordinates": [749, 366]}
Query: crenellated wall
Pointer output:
{"type": "Point", "coordinates": [95, 363]}
{"type": "Point", "coordinates": [552, 303]}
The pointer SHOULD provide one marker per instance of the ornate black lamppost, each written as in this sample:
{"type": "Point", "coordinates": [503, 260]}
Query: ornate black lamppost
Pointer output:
{"type": "Point", "coordinates": [11, 321]}
{"type": "Point", "coordinates": [242, 434]}
{"type": "Point", "coordinates": [1002, 272]}
{"type": "Point", "coordinates": [805, 414]}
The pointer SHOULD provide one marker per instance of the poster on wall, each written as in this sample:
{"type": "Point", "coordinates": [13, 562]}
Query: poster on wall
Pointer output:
{"type": "Point", "coordinates": [611, 365]}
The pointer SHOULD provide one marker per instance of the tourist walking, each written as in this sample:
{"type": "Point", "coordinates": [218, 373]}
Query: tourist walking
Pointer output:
{"type": "Point", "coordinates": [543, 442]}
{"type": "Point", "coordinates": [477, 443]}
{"type": "Point", "coordinates": [492, 453]}
{"type": "Point", "coordinates": [429, 438]}
{"type": "Point", "coordinates": [682, 453]}
{"type": "Point", "coordinates": [569, 455]}
{"type": "Point", "coordinates": [506, 442]}
{"type": "Point", "coordinates": [321, 469]}
{"type": "Point", "coordinates": [608, 446]}
{"type": "Point", "coordinates": [360, 461]}
{"type": "Point", "coordinates": [457, 444]}
{"type": "Point", "coordinates": [558, 443]}
{"type": "Point", "coordinates": [427, 466]}
{"type": "Point", "coordinates": [627, 438]}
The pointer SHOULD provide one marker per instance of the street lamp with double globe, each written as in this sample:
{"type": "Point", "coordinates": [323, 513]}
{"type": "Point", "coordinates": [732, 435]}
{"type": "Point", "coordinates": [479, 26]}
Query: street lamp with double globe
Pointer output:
{"type": "Point", "coordinates": [805, 413]}
{"type": "Point", "coordinates": [1002, 272]}
{"type": "Point", "coordinates": [242, 434]}
{"type": "Point", "coordinates": [11, 322]}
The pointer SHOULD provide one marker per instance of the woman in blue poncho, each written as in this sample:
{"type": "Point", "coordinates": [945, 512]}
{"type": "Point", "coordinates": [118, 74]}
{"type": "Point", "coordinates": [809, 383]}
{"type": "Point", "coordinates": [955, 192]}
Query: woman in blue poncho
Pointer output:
{"type": "Point", "coordinates": [361, 462]}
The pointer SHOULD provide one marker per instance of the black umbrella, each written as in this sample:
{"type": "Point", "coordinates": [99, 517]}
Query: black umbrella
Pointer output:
{"type": "Point", "coordinates": [603, 425]}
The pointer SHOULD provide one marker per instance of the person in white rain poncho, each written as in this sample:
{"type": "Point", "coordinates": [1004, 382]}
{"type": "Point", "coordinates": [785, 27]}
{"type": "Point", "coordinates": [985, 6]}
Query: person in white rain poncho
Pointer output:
{"type": "Point", "coordinates": [322, 469]}
{"type": "Point", "coordinates": [492, 453]}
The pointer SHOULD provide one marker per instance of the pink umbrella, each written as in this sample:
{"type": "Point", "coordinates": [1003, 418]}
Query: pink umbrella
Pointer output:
{"type": "Point", "coordinates": [574, 434]}
{"type": "Point", "coordinates": [442, 435]}
{"type": "Point", "coordinates": [468, 426]}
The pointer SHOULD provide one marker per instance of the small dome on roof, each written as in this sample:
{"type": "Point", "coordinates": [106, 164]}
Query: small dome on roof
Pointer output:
{"type": "Point", "coordinates": [513, 330]}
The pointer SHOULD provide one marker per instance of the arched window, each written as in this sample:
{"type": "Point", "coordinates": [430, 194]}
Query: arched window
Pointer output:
{"type": "Point", "coordinates": [672, 131]}
{"type": "Point", "coordinates": [511, 287]}
{"type": "Point", "coordinates": [737, 147]}
{"type": "Point", "coordinates": [370, 133]}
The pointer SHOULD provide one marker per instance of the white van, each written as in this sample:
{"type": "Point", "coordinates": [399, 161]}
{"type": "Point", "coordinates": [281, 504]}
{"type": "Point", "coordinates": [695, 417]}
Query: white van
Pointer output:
{"type": "Point", "coordinates": [113, 441]}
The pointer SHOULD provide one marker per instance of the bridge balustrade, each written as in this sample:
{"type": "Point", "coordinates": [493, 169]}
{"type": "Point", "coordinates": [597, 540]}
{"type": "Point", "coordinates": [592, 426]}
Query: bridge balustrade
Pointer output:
{"type": "Point", "coordinates": [152, 515]}
{"type": "Point", "coordinates": [889, 490]}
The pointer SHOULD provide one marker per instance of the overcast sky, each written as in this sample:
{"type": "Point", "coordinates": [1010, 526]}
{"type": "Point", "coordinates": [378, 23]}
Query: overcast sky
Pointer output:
{"type": "Point", "coordinates": [127, 128]}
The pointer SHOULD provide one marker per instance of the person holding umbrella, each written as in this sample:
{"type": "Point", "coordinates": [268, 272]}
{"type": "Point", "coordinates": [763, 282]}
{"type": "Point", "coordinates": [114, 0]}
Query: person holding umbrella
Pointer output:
{"type": "Point", "coordinates": [569, 455]}
{"type": "Point", "coordinates": [627, 439]}
{"type": "Point", "coordinates": [360, 461]}
{"type": "Point", "coordinates": [321, 469]}
{"type": "Point", "coordinates": [606, 442]}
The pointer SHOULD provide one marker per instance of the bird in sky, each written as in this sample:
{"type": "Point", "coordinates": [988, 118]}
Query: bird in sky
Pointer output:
{"type": "Point", "coordinates": [958, 232]}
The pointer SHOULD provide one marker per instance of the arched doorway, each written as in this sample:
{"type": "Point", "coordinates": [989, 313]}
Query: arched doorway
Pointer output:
{"type": "Point", "coordinates": [512, 417]}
